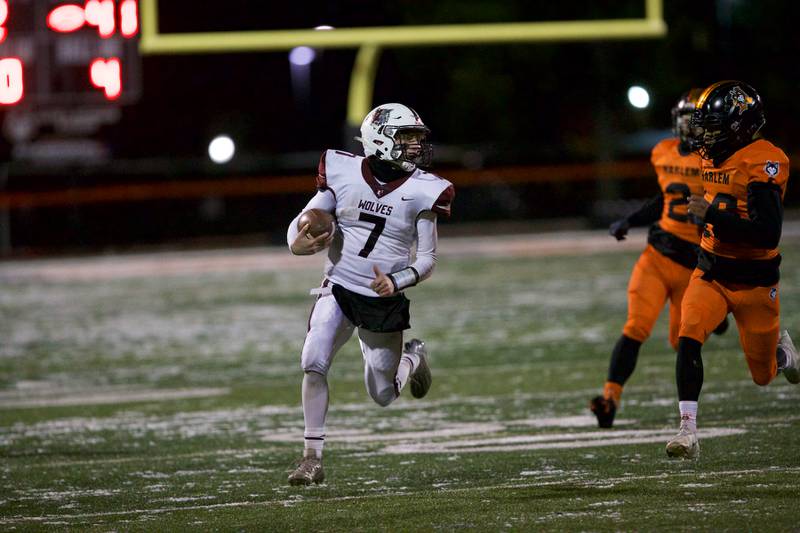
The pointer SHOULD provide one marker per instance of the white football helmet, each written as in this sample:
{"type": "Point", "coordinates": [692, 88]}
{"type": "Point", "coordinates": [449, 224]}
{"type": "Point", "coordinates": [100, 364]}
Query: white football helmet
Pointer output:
{"type": "Point", "coordinates": [380, 131]}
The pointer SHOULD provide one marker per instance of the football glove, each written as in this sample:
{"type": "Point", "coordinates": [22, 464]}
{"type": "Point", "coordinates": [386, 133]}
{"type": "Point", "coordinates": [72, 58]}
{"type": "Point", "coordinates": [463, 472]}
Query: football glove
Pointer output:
{"type": "Point", "coordinates": [619, 229]}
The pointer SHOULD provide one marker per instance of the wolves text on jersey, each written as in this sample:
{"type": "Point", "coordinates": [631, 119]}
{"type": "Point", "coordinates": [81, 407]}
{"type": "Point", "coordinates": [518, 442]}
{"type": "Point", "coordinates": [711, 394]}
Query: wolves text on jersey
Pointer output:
{"type": "Point", "coordinates": [375, 207]}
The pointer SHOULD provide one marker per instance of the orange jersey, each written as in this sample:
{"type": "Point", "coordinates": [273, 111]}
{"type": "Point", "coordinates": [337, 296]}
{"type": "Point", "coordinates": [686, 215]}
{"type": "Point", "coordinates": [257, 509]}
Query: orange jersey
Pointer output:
{"type": "Point", "coordinates": [726, 189]}
{"type": "Point", "coordinates": [678, 177]}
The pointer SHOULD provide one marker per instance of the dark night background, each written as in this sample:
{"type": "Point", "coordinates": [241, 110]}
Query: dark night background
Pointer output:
{"type": "Point", "coordinates": [536, 106]}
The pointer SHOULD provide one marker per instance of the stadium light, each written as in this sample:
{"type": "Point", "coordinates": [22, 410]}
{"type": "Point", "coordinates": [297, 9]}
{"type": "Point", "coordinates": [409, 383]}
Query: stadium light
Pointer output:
{"type": "Point", "coordinates": [221, 149]}
{"type": "Point", "coordinates": [638, 97]}
{"type": "Point", "coordinates": [302, 56]}
{"type": "Point", "coordinates": [300, 59]}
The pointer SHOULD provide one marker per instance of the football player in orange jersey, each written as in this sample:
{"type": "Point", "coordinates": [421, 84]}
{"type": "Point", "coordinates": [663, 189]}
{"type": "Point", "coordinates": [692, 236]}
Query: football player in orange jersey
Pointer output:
{"type": "Point", "coordinates": [664, 268]}
{"type": "Point", "coordinates": [744, 178]}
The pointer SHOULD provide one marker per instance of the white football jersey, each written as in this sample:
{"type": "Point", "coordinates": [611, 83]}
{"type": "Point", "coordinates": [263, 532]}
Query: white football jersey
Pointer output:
{"type": "Point", "coordinates": [376, 223]}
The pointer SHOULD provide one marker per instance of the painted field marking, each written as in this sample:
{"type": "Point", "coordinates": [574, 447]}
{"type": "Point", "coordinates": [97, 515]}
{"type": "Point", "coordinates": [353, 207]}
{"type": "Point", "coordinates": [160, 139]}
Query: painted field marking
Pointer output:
{"type": "Point", "coordinates": [439, 491]}
{"type": "Point", "coordinates": [147, 458]}
{"type": "Point", "coordinates": [278, 258]}
{"type": "Point", "coordinates": [557, 441]}
{"type": "Point", "coordinates": [453, 430]}
{"type": "Point", "coordinates": [55, 398]}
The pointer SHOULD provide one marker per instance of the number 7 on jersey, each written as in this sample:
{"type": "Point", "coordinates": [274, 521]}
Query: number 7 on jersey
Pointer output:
{"type": "Point", "coordinates": [380, 223]}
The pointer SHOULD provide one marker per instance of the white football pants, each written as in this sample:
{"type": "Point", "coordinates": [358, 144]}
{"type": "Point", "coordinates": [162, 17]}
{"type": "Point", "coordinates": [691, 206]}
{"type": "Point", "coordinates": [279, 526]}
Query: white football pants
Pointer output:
{"type": "Point", "coordinates": [329, 329]}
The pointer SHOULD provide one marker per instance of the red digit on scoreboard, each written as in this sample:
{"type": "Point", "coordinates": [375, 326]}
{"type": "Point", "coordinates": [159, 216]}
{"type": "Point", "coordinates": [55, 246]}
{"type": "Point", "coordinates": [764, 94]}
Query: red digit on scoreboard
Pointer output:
{"type": "Point", "coordinates": [3, 18]}
{"type": "Point", "coordinates": [66, 18]}
{"type": "Point", "coordinates": [100, 13]}
{"type": "Point", "coordinates": [107, 75]}
{"type": "Point", "coordinates": [11, 86]}
{"type": "Point", "coordinates": [128, 18]}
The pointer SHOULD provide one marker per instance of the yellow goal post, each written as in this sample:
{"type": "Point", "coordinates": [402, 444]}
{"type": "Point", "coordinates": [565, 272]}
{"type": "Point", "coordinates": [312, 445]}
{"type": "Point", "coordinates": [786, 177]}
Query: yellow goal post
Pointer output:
{"type": "Point", "coordinates": [370, 40]}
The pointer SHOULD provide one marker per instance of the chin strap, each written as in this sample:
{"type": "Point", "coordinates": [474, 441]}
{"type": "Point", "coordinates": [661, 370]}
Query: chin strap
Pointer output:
{"type": "Point", "coordinates": [402, 279]}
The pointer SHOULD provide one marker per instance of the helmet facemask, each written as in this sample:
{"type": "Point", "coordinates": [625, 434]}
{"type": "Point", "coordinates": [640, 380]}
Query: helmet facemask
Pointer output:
{"type": "Point", "coordinates": [682, 129]}
{"type": "Point", "coordinates": [682, 114]}
{"type": "Point", "coordinates": [708, 137]}
{"type": "Point", "coordinates": [411, 148]}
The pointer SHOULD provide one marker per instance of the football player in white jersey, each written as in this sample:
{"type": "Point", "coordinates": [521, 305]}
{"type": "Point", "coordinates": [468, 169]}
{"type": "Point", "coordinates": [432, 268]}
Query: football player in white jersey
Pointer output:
{"type": "Point", "coordinates": [383, 204]}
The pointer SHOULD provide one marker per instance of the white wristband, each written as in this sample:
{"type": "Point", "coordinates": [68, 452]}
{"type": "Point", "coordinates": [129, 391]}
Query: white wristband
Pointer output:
{"type": "Point", "coordinates": [404, 278]}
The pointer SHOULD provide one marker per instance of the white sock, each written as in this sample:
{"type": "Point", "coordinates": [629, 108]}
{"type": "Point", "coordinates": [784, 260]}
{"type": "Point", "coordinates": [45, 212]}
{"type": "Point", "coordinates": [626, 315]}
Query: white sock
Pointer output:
{"type": "Point", "coordinates": [315, 409]}
{"type": "Point", "coordinates": [313, 447]}
{"type": "Point", "coordinates": [688, 414]}
{"type": "Point", "coordinates": [408, 364]}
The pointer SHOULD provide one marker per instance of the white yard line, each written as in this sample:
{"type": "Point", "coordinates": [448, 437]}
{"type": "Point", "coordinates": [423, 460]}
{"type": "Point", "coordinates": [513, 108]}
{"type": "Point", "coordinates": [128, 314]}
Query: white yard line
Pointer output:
{"type": "Point", "coordinates": [148, 459]}
{"type": "Point", "coordinates": [452, 430]}
{"type": "Point", "coordinates": [276, 258]}
{"type": "Point", "coordinates": [393, 494]}
{"type": "Point", "coordinates": [55, 398]}
{"type": "Point", "coordinates": [562, 441]}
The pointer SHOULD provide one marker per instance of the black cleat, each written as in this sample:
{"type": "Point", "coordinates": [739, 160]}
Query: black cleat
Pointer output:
{"type": "Point", "coordinates": [604, 409]}
{"type": "Point", "coordinates": [722, 328]}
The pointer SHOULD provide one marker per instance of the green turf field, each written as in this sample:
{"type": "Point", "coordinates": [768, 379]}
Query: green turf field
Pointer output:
{"type": "Point", "coordinates": [172, 402]}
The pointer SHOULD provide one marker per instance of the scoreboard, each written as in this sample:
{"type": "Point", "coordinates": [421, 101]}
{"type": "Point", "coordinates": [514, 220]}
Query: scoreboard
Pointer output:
{"type": "Point", "coordinates": [62, 53]}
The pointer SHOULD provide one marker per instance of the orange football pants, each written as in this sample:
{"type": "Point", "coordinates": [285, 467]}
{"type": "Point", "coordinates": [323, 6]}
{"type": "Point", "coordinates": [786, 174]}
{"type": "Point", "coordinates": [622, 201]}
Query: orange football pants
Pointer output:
{"type": "Point", "coordinates": [654, 279]}
{"type": "Point", "coordinates": [757, 314]}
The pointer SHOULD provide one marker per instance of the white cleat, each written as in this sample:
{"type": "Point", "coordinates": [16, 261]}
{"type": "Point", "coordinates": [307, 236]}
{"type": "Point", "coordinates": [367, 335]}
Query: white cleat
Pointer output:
{"type": "Point", "coordinates": [421, 379]}
{"type": "Point", "coordinates": [309, 470]}
{"type": "Point", "coordinates": [684, 445]}
{"type": "Point", "coordinates": [790, 366]}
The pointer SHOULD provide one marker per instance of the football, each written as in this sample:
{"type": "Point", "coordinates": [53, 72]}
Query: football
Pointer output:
{"type": "Point", "coordinates": [318, 221]}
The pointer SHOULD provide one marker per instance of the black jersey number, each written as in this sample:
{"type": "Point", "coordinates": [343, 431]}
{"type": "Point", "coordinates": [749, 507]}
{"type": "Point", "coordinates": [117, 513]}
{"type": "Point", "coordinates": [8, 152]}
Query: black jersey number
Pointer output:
{"type": "Point", "coordinates": [380, 223]}
{"type": "Point", "coordinates": [727, 199]}
{"type": "Point", "coordinates": [683, 191]}
{"type": "Point", "coordinates": [723, 202]}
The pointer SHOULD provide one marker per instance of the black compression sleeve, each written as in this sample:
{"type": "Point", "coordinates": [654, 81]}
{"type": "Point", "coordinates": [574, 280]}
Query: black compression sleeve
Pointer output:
{"type": "Point", "coordinates": [689, 369]}
{"type": "Point", "coordinates": [648, 213]}
{"type": "Point", "coordinates": [623, 359]}
{"type": "Point", "coordinates": [763, 229]}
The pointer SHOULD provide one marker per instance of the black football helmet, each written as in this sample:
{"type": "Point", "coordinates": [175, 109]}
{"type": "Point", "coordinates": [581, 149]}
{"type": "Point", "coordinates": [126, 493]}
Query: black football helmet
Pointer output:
{"type": "Point", "coordinates": [682, 113]}
{"type": "Point", "coordinates": [727, 116]}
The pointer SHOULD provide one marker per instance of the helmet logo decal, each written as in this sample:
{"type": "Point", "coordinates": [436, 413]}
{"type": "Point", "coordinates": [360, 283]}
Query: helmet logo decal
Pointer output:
{"type": "Point", "coordinates": [381, 116]}
{"type": "Point", "coordinates": [740, 100]}
{"type": "Point", "coordinates": [771, 168]}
